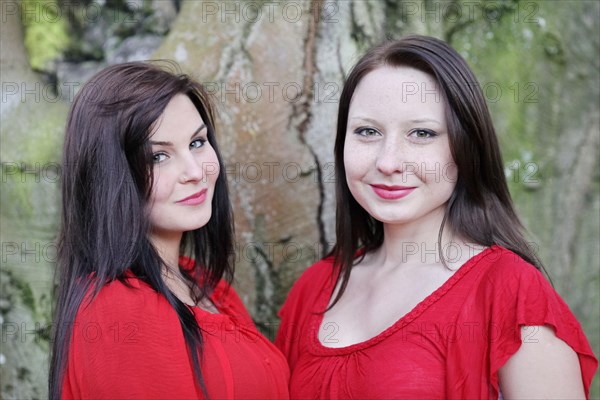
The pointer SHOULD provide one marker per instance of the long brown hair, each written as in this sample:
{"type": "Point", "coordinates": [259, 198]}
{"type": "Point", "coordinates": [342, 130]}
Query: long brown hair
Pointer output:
{"type": "Point", "coordinates": [480, 209]}
{"type": "Point", "coordinates": [106, 184]}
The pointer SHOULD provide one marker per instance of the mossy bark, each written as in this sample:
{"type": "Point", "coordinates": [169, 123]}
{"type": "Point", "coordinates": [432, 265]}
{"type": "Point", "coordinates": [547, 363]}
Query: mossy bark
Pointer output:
{"type": "Point", "coordinates": [31, 133]}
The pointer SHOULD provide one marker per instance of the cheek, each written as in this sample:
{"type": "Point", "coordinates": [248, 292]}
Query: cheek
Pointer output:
{"type": "Point", "coordinates": [355, 167]}
{"type": "Point", "coordinates": [356, 161]}
{"type": "Point", "coordinates": [449, 171]}
{"type": "Point", "coordinates": [162, 186]}
{"type": "Point", "coordinates": [211, 167]}
{"type": "Point", "coordinates": [436, 166]}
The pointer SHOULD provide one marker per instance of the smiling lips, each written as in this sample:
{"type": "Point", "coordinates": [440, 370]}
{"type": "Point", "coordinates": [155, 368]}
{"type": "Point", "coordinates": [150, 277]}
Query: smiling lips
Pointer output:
{"type": "Point", "coordinates": [195, 199]}
{"type": "Point", "coordinates": [392, 192]}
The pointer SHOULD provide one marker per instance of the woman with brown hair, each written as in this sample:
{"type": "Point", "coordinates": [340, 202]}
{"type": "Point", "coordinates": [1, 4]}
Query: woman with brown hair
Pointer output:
{"type": "Point", "coordinates": [144, 307]}
{"type": "Point", "coordinates": [431, 291]}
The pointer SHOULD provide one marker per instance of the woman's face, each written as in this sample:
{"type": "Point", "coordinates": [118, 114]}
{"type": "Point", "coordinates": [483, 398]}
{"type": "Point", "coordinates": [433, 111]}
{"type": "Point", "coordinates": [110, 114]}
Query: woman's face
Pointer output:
{"type": "Point", "coordinates": [397, 156]}
{"type": "Point", "coordinates": [185, 170]}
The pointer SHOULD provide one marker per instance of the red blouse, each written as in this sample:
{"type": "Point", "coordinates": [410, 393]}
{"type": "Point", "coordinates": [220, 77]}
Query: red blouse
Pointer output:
{"type": "Point", "coordinates": [128, 344]}
{"type": "Point", "coordinates": [451, 345]}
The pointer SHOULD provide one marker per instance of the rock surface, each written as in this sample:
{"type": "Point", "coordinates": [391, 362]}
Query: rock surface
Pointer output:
{"type": "Point", "coordinates": [31, 130]}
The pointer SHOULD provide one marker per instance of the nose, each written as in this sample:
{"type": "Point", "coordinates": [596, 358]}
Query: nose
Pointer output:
{"type": "Point", "coordinates": [191, 170]}
{"type": "Point", "coordinates": [391, 158]}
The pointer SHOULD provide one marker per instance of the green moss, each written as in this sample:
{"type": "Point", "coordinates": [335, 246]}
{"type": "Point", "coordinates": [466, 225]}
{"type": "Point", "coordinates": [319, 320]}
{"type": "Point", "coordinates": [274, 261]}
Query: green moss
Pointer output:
{"type": "Point", "coordinates": [504, 52]}
{"type": "Point", "coordinates": [16, 194]}
{"type": "Point", "coordinates": [43, 335]}
{"type": "Point", "coordinates": [32, 136]}
{"type": "Point", "coordinates": [46, 31]}
{"type": "Point", "coordinates": [23, 374]}
{"type": "Point", "coordinates": [24, 289]}
{"type": "Point", "coordinates": [357, 32]}
{"type": "Point", "coordinates": [553, 48]}
{"type": "Point", "coordinates": [26, 294]}
{"type": "Point", "coordinates": [45, 146]}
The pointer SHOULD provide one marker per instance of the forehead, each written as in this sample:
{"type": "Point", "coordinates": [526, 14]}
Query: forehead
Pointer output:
{"type": "Point", "coordinates": [398, 91]}
{"type": "Point", "coordinates": [180, 117]}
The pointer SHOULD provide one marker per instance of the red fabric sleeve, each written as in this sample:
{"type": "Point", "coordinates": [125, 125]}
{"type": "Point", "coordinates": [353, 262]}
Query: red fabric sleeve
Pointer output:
{"type": "Point", "coordinates": [120, 350]}
{"type": "Point", "coordinates": [297, 309]}
{"type": "Point", "coordinates": [128, 343]}
{"type": "Point", "coordinates": [286, 337]}
{"type": "Point", "coordinates": [511, 295]}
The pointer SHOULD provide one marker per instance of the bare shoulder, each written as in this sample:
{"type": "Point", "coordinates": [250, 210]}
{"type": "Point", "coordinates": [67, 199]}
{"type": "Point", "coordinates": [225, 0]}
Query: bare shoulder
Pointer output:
{"type": "Point", "coordinates": [544, 367]}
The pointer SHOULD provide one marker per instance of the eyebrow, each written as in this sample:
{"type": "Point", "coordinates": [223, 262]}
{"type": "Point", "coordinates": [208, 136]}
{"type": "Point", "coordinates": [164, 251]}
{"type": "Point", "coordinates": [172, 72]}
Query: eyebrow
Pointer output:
{"type": "Point", "coordinates": [160, 143]}
{"type": "Point", "coordinates": [369, 120]}
{"type": "Point", "coordinates": [420, 120]}
{"type": "Point", "coordinates": [414, 120]}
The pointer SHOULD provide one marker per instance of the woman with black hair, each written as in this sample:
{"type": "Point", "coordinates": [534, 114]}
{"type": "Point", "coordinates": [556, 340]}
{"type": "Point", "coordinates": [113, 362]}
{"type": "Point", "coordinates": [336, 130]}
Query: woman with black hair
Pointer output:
{"type": "Point", "coordinates": [143, 187]}
{"type": "Point", "coordinates": [431, 291]}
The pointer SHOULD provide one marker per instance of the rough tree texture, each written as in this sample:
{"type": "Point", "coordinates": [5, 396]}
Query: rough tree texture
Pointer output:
{"type": "Point", "coordinates": [276, 71]}
{"type": "Point", "coordinates": [32, 121]}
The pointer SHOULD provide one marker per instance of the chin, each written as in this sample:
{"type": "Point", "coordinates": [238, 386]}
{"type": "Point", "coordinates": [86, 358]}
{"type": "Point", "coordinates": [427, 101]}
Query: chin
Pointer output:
{"type": "Point", "coordinates": [390, 217]}
{"type": "Point", "coordinates": [199, 223]}
{"type": "Point", "coordinates": [190, 223]}
{"type": "Point", "coordinates": [393, 220]}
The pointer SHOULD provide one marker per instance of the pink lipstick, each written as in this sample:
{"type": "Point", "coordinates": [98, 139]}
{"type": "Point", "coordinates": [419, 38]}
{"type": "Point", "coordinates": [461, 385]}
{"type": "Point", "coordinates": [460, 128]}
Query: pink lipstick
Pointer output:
{"type": "Point", "coordinates": [195, 199]}
{"type": "Point", "coordinates": [392, 192]}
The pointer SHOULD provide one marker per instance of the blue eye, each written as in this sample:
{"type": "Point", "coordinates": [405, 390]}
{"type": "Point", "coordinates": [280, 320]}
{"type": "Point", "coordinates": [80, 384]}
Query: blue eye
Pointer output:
{"type": "Point", "coordinates": [423, 134]}
{"type": "Point", "coordinates": [367, 132]}
{"type": "Point", "coordinates": [158, 157]}
{"type": "Point", "coordinates": [196, 144]}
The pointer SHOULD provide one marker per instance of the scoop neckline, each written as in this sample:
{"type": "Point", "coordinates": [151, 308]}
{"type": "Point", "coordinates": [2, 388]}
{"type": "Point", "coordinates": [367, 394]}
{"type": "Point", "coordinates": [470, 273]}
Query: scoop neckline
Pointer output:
{"type": "Point", "coordinates": [317, 318]}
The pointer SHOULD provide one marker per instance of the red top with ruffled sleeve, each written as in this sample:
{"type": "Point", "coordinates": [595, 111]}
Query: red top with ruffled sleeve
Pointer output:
{"type": "Point", "coordinates": [450, 346]}
{"type": "Point", "coordinates": [128, 344]}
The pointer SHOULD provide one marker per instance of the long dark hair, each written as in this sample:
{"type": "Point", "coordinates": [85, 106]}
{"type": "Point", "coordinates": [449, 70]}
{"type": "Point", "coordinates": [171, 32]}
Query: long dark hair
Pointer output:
{"type": "Point", "coordinates": [480, 209]}
{"type": "Point", "coordinates": [106, 183]}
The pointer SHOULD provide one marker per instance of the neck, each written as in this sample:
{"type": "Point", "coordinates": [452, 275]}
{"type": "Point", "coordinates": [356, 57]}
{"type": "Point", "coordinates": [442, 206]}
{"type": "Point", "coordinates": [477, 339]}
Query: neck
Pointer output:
{"type": "Point", "coordinates": [416, 242]}
{"type": "Point", "coordinates": [419, 242]}
{"type": "Point", "coordinates": [167, 246]}
{"type": "Point", "coordinates": [168, 249]}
